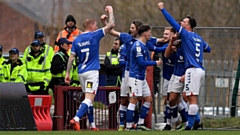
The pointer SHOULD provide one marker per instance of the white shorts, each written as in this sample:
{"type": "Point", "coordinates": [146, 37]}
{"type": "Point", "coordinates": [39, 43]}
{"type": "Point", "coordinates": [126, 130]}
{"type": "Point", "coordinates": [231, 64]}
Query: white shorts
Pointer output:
{"type": "Point", "coordinates": [175, 85]}
{"type": "Point", "coordinates": [194, 78]}
{"type": "Point", "coordinates": [124, 89]}
{"type": "Point", "coordinates": [138, 88]}
{"type": "Point", "coordinates": [89, 81]}
{"type": "Point", "coordinates": [165, 87]}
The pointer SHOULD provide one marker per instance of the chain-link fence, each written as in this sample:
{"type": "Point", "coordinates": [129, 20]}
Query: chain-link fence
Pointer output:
{"type": "Point", "coordinates": [220, 66]}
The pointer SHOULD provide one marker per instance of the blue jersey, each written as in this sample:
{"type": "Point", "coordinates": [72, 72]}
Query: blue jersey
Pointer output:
{"type": "Point", "coordinates": [193, 44]}
{"type": "Point", "coordinates": [123, 58]}
{"type": "Point", "coordinates": [179, 67]}
{"type": "Point", "coordinates": [86, 47]}
{"type": "Point", "coordinates": [139, 59]}
{"type": "Point", "coordinates": [128, 40]}
{"type": "Point", "coordinates": [168, 64]}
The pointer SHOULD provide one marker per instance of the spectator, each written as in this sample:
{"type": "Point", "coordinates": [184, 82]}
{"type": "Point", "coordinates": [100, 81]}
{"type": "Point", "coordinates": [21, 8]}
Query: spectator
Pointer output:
{"type": "Point", "coordinates": [38, 68]}
{"type": "Point", "coordinates": [113, 69]}
{"type": "Point", "coordinates": [13, 70]}
{"type": "Point", "coordinates": [86, 47]}
{"type": "Point", "coordinates": [70, 32]}
{"type": "Point", "coordinates": [59, 63]}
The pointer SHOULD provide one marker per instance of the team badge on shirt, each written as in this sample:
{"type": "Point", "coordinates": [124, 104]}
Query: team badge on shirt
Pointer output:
{"type": "Point", "coordinates": [138, 49]}
{"type": "Point", "coordinates": [89, 84]}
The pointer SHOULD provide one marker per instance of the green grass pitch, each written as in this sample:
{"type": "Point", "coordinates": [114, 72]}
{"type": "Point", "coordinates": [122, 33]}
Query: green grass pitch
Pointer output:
{"type": "Point", "coordinates": [199, 132]}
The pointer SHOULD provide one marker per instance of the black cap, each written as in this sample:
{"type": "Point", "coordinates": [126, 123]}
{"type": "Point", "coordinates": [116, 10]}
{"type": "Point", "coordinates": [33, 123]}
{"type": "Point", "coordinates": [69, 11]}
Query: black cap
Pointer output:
{"type": "Point", "coordinates": [14, 50]}
{"type": "Point", "coordinates": [70, 18]}
{"type": "Point", "coordinates": [38, 34]}
{"type": "Point", "coordinates": [36, 42]}
{"type": "Point", "coordinates": [63, 40]}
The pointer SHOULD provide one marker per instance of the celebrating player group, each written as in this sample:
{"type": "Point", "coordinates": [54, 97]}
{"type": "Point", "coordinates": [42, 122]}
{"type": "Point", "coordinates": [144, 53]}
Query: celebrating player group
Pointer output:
{"type": "Point", "coordinates": [183, 72]}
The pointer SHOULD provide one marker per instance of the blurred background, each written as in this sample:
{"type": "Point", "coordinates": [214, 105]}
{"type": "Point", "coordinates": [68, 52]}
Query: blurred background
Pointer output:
{"type": "Point", "coordinates": [19, 19]}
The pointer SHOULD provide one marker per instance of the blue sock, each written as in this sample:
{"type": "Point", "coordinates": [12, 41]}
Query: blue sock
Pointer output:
{"type": "Point", "coordinates": [136, 116]}
{"type": "Point", "coordinates": [174, 113]}
{"type": "Point", "coordinates": [122, 116]}
{"type": "Point", "coordinates": [197, 118]}
{"type": "Point", "coordinates": [184, 115]}
{"type": "Point", "coordinates": [82, 110]}
{"type": "Point", "coordinates": [90, 114]}
{"type": "Point", "coordinates": [130, 114]}
{"type": "Point", "coordinates": [191, 120]}
{"type": "Point", "coordinates": [168, 115]}
{"type": "Point", "coordinates": [144, 112]}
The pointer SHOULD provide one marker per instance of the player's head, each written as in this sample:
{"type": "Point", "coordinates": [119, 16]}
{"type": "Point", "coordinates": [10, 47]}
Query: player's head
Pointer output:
{"type": "Point", "coordinates": [134, 27]}
{"type": "Point", "coordinates": [116, 44]}
{"type": "Point", "coordinates": [168, 32]}
{"type": "Point", "coordinates": [145, 31]}
{"type": "Point", "coordinates": [189, 23]}
{"type": "Point", "coordinates": [90, 25]}
{"type": "Point", "coordinates": [70, 21]}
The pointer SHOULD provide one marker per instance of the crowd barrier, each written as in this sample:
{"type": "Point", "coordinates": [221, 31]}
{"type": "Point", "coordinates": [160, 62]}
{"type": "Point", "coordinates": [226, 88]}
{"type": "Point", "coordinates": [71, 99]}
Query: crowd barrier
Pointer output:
{"type": "Point", "coordinates": [107, 101]}
{"type": "Point", "coordinates": [40, 105]}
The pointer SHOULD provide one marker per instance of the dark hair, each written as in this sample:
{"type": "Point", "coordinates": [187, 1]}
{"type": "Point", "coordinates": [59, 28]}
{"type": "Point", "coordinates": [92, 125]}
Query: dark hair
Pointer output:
{"type": "Point", "coordinates": [138, 24]}
{"type": "Point", "coordinates": [117, 38]}
{"type": "Point", "coordinates": [192, 21]}
{"type": "Point", "coordinates": [143, 29]}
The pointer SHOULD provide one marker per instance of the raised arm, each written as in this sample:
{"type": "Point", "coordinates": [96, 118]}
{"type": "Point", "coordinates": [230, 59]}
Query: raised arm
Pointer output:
{"type": "Point", "coordinates": [112, 31]}
{"type": "Point", "coordinates": [169, 50]}
{"type": "Point", "coordinates": [111, 20]}
{"type": "Point", "coordinates": [169, 18]}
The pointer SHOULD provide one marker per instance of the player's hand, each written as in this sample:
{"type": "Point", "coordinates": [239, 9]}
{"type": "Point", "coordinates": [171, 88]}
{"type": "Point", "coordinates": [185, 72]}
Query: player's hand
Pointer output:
{"type": "Point", "coordinates": [67, 79]}
{"type": "Point", "coordinates": [174, 48]}
{"type": "Point", "coordinates": [182, 79]}
{"type": "Point", "coordinates": [108, 9]}
{"type": "Point", "coordinates": [160, 5]}
{"type": "Point", "coordinates": [104, 17]}
{"type": "Point", "coordinates": [159, 62]}
{"type": "Point", "coordinates": [173, 37]}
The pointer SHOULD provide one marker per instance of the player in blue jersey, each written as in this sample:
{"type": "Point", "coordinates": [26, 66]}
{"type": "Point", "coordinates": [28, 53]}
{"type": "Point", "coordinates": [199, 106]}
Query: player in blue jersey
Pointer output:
{"type": "Point", "coordinates": [168, 66]}
{"type": "Point", "coordinates": [86, 48]}
{"type": "Point", "coordinates": [193, 46]}
{"type": "Point", "coordinates": [139, 59]}
{"type": "Point", "coordinates": [176, 85]}
{"type": "Point", "coordinates": [122, 62]}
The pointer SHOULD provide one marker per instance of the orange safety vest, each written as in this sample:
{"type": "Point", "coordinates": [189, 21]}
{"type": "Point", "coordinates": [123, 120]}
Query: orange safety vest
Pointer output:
{"type": "Point", "coordinates": [63, 34]}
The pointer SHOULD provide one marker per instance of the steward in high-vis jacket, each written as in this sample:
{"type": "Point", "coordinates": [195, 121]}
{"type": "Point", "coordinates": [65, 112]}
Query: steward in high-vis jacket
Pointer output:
{"type": "Point", "coordinates": [45, 48]}
{"type": "Point", "coordinates": [59, 63]}
{"type": "Point", "coordinates": [70, 32]}
{"type": "Point", "coordinates": [13, 70]}
{"type": "Point", "coordinates": [113, 69]}
{"type": "Point", "coordinates": [38, 68]}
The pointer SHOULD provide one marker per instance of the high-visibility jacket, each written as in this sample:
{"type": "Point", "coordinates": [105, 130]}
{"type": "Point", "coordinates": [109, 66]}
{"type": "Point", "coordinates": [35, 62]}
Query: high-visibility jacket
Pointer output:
{"type": "Point", "coordinates": [15, 72]}
{"type": "Point", "coordinates": [75, 77]}
{"type": "Point", "coordinates": [47, 49]}
{"type": "Point", "coordinates": [65, 34]}
{"type": "Point", "coordinates": [113, 68]}
{"type": "Point", "coordinates": [1, 60]}
{"type": "Point", "coordinates": [63, 63]}
{"type": "Point", "coordinates": [38, 69]}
